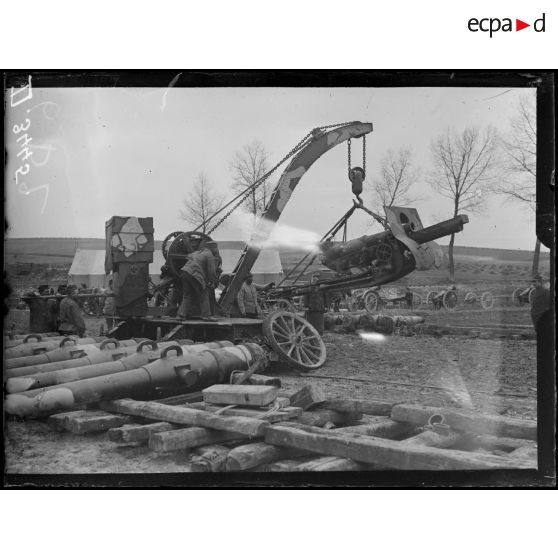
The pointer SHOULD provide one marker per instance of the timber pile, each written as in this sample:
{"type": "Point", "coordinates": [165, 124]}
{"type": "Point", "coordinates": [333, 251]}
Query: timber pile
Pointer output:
{"type": "Point", "coordinates": [517, 333]}
{"type": "Point", "coordinates": [250, 428]}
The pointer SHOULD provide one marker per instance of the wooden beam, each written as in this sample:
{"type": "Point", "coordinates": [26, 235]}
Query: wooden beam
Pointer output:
{"type": "Point", "coordinates": [387, 428]}
{"type": "Point", "coordinates": [248, 395]}
{"type": "Point", "coordinates": [307, 397]}
{"type": "Point", "coordinates": [365, 406]}
{"type": "Point", "coordinates": [131, 433]}
{"type": "Point", "coordinates": [253, 455]}
{"type": "Point", "coordinates": [385, 453]}
{"type": "Point", "coordinates": [282, 414]}
{"type": "Point", "coordinates": [249, 427]}
{"type": "Point", "coordinates": [209, 459]}
{"type": "Point", "coordinates": [467, 421]}
{"type": "Point", "coordinates": [329, 463]}
{"type": "Point", "coordinates": [84, 421]}
{"type": "Point", "coordinates": [193, 437]}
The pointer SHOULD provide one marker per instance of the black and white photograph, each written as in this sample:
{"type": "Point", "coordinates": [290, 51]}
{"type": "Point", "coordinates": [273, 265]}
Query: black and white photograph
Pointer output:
{"type": "Point", "coordinates": [238, 278]}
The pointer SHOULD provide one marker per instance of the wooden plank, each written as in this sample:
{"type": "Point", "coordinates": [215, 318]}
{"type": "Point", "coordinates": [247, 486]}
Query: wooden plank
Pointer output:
{"type": "Point", "coordinates": [248, 395]}
{"type": "Point", "coordinates": [321, 417]}
{"type": "Point", "coordinates": [138, 432]}
{"type": "Point", "coordinates": [385, 453]}
{"type": "Point", "coordinates": [58, 422]}
{"type": "Point", "coordinates": [193, 437]}
{"type": "Point", "coordinates": [308, 397]}
{"type": "Point", "coordinates": [467, 421]}
{"type": "Point", "coordinates": [253, 455]}
{"type": "Point", "coordinates": [94, 421]}
{"type": "Point", "coordinates": [243, 376]}
{"type": "Point", "coordinates": [365, 406]}
{"type": "Point", "coordinates": [250, 427]}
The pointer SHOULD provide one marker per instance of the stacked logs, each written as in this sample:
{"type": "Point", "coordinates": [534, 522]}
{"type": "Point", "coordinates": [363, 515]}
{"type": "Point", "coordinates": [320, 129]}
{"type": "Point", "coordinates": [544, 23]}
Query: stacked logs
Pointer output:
{"type": "Point", "coordinates": [321, 434]}
{"type": "Point", "coordinates": [349, 322]}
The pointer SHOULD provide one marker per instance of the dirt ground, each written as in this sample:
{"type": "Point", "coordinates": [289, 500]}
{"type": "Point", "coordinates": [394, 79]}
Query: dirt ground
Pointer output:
{"type": "Point", "coordinates": [491, 376]}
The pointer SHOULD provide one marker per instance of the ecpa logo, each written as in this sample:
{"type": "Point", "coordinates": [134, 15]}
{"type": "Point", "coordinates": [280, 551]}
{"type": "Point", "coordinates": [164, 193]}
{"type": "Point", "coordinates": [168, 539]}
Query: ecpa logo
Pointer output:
{"type": "Point", "coordinates": [494, 24]}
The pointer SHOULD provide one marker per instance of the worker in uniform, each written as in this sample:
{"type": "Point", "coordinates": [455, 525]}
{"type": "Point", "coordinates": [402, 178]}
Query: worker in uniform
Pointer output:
{"type": "Point", "coordinates": [247, 299]}
{"type": "Point", "coordinates": [540, 304]}
{"type": "Point", "coordinates": [198, 275]}
{"type": "Point", "coordinates": [71, 319]}
{"type": "Point", "coordinates": [409, 298]}
{"type": "Point", "coordinates": [43, 313]}
{"type": "Point", "coordinates": [108, 307]}
{"type": "Point", "coordinates": [314, 304]}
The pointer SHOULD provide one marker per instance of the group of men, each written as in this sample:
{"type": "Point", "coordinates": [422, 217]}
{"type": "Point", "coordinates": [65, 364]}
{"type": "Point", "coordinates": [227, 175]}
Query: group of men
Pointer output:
{"type": "Point", "coordinates": [66, 315]}
{"type": "Point", "coordinates": [192, 296]}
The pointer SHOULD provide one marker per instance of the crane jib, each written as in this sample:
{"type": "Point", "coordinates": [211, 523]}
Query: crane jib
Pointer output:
{"type": "Point", "coordinates": [318, 144]}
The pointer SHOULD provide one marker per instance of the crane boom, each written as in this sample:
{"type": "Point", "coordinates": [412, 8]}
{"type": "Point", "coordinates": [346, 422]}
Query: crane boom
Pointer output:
{"type": "Point", "coordinates": [318, 144]}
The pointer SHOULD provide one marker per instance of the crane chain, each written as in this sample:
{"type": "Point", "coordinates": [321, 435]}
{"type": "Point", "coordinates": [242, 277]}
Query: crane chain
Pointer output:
{"type": "Point", "coordinates": [248, 192]}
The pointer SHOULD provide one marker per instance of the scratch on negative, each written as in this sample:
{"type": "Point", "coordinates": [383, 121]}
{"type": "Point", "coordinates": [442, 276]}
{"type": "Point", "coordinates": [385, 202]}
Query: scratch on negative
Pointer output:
{"type": "Point", "coordinates": [171, 84]}
{"type": "Point", "coordinates": [494, 96]}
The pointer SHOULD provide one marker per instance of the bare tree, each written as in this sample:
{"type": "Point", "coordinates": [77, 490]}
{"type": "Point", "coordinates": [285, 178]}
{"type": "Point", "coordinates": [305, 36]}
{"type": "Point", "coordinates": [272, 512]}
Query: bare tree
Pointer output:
{"type": "Point", "coordinates": [248, 166]}
{"type": "Point", "coordinates": [397, 175]}
{"type": "Point", "coordinates": [519, 146]}
{"type": "Point", "coordinates": [201, 203]}
{"type": "Point", "coordinates": [464, 165]}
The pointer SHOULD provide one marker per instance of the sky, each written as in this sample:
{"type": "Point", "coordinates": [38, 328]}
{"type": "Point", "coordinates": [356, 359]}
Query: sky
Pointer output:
{"type": "Point", "coordinates": [99, 152]}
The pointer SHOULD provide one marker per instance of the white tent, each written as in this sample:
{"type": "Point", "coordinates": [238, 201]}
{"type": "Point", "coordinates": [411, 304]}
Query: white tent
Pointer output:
{"type": "Point", "coordinates": [88, 266]}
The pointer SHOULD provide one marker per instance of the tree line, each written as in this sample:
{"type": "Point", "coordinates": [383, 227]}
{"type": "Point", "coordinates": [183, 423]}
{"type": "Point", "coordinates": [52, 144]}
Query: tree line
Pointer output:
{"type": "Point", "coordinates": [467, 166]}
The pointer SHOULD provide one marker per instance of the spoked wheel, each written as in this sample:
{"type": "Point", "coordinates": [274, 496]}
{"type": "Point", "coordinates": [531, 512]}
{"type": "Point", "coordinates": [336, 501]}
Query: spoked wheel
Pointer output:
{"type": "Point", "coordinates": [470, 298]}
{"type": "Point", "coordinates": [449, 300]}
{"type": "Point", "coordinates": [487, 300]}
{"type": "Point", "coordinates": [430, 297]}
{"type": "Point", "coordinates": [371, 301]}
{"type": "Point", "coordinates": [295, 341]}
{"type": "Point", "coordinates": [178, 245]}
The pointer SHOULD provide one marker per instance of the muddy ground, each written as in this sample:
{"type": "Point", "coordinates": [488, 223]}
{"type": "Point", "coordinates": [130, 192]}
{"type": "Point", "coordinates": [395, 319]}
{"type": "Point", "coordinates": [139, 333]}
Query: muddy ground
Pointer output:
{"type": "Point", "coordinates": [491, 376]}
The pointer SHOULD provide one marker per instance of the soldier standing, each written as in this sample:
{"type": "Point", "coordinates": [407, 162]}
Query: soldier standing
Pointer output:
{"type": "Point", "coordinates": [108, 307]}
{"type": "Point", "coordinates": [247, 299]}
{"type": "Point", "coordinates": [314, 303]}
{"type": "Point", "coordinates": [540, 303]}
{"type": "Point", "coordinates": [71, 319]}
{"type": "Point", "coordinates": [409, 298]}
{"type": "Point", "coordinates": [198, 275]}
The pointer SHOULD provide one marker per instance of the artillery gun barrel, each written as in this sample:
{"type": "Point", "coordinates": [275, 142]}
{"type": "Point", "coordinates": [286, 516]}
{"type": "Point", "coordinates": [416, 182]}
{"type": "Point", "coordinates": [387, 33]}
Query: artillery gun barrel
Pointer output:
{"type": "Point", "coordinates": [439, 230]}
{"type": "Point", "coordinates": [166, 371]}
{"type": "Point", "coordinates": [33, 384]}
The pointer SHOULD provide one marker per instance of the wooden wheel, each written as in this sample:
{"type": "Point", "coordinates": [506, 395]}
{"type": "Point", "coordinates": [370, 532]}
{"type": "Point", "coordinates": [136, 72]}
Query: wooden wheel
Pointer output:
{"type": "Point", "coordinates": [177, 246]}
{"type": "Point", "coordinates": [430, 297]}
{"type": "Point", "coordinates": [470, 298]}
{"type": "Point", "coordinates": [487, 300]}
{"type": "Point", "coordinates": [371, 300]}
{"type": "Point", "coordinates": [295, 341]}
{"type": "Point", "coordinates": [530, 296]}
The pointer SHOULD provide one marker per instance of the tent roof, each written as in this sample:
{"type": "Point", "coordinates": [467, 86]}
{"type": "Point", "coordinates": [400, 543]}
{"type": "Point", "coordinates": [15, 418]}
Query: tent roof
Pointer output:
{"type": "Point", "coordinates": [92, 262]}
{"type": "Point", "coordinates": [88, 262]}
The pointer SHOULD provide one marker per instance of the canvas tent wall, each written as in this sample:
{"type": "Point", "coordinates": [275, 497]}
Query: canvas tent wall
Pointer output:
{"type": "Point", "coordinates": [88, 266]}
